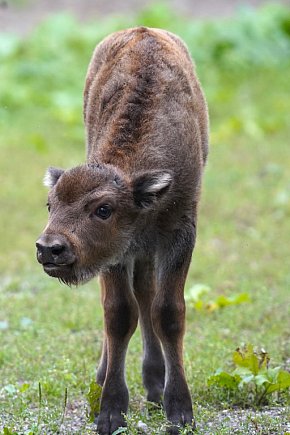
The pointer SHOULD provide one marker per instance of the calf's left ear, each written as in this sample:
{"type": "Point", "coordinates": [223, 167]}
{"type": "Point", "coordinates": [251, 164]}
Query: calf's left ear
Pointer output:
{"type": "Point", "coordinates": [149, 187]}
{"type": "Point", "coordinates": [52, 176]}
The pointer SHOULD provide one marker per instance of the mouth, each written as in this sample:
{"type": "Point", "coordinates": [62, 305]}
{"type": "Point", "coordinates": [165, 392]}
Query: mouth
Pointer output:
{"type": "Point", "coordinates": [69, 274]}
{"type": "Point", "coordinates": [57, 270]}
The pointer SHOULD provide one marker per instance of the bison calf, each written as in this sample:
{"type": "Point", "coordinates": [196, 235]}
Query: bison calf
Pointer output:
{"type": "Point", "coordinates": [129, 214]}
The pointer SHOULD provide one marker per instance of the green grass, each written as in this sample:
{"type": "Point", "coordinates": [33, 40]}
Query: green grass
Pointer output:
{"type": "Point", "coordinates": [51, 334]}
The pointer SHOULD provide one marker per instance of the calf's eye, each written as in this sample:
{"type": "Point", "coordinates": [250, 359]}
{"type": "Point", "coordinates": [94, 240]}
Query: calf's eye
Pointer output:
{"type": "Point", "coordinates": [103, 212]}
{"type": "Point", "coordinates": [48, 206]}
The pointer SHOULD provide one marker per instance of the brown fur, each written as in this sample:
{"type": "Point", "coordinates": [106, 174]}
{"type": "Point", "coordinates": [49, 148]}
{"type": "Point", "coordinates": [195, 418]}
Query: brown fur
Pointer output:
{"type": "Point", "coordinates": [129, 214]}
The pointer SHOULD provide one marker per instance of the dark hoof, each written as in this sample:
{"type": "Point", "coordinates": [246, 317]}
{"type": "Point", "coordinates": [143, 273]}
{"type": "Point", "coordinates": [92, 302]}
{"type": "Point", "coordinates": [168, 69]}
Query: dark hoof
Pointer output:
{"type": "Point", "coordinates": [178, 408]}
{"type": "Point", "coordinates": [108, 422]}
{"type": "Point", "coordinates": [177, 421]}
{"type": "Point", "coordinates": [155, 396]}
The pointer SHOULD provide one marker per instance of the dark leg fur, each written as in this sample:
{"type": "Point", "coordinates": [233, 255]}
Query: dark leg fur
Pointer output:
{"type": "Point", "coordinates": [102, 368]}
{"type": "Point", "coordinates": [121, 317]}
{"type": "Point", "coordinates": [153, 362]}
{"type": "Point", "coordinates": [169, 322]}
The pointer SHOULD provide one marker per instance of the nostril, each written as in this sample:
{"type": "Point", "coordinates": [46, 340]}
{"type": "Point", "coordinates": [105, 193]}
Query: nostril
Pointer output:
{"type": "Point", "coordinates": [57, 249]}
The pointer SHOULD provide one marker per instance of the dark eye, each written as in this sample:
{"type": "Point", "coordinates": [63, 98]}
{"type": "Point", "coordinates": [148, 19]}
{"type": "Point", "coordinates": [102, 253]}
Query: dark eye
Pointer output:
{"type": "Point", "coordinates": [103, 212]}
{"type": "Point", "coordinates": [48, 206]}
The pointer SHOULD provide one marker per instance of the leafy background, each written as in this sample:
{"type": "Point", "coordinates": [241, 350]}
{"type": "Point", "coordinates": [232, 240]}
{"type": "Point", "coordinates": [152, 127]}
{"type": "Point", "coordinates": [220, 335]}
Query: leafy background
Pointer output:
{"type": "Point", "coordinates": [51, 335]}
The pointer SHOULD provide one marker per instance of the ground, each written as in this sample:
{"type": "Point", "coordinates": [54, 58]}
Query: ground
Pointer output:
{"type": "Point", "coordinates": [50, 334]}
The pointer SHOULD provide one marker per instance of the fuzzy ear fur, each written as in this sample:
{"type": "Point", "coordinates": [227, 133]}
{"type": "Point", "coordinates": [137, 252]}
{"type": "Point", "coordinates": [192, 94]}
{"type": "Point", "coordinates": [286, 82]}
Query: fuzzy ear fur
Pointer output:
{"type": "Point", "coordinates": [150, 186]}
{"type": "Point", "coordinates": [51, 176]}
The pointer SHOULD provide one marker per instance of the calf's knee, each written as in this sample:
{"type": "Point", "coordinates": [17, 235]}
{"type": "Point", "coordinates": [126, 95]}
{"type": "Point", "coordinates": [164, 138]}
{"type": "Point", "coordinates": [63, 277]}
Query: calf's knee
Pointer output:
{"type": "Point", "coordinates": [121, 318]}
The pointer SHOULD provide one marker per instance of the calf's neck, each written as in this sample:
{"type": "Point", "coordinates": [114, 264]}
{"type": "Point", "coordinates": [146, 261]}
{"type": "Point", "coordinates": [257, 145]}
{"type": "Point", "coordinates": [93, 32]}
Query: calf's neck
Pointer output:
{"type": "Point", "coordinates": [129, 213]}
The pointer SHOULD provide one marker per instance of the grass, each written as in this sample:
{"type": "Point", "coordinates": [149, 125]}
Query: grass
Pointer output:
{"type": "Point", "coordinates": [50, 334]}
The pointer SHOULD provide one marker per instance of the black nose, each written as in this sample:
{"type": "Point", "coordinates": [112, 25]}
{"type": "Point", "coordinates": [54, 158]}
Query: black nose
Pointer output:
{"type": "Point", "coordinates": [54, 250]}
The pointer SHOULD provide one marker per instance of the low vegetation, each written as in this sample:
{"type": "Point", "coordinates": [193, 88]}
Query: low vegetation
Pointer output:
{"type": "Point", "coordinates": [50, 334]}
{"type": "Point", "coordinates": [252, 381]}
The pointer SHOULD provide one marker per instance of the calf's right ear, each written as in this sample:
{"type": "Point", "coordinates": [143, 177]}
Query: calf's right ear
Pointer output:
{"type": "Point", "coordinates": [52, 176]}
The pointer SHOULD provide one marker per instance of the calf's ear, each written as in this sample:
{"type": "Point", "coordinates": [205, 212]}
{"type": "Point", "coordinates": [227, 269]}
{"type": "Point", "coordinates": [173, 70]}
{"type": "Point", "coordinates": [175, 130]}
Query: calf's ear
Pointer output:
{"type": "Point", "coordinates": [51, 176]}
{"type": "Point", "coordinates": [150, 186]}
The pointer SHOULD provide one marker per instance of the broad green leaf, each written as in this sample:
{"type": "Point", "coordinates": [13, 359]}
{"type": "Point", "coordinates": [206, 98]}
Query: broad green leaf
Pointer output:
{"type": "Point", "coordinates": [247, 358]}
{"type": "Point", "coordinates": [272, 374]}
{"type": "Point", "coordinates": [262, 379]}
{"type": "Point", "coordinates": [94, 399]}
{"type": "Point", "coordinates": [246, 380]}
{"type": "Point", "coordinates": [243, 371]}
{"type": "Point", "coordinates": [283, 382]}
{"type": "Point", "coordinates": [224, 379]}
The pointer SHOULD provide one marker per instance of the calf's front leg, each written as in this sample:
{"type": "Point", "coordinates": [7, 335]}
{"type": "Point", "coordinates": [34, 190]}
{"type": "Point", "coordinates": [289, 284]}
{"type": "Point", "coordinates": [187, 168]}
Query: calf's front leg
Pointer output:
{"type": "Point", "coordinates": [121, 317]}
{"type": "Point", "coordinates": [168, 315]}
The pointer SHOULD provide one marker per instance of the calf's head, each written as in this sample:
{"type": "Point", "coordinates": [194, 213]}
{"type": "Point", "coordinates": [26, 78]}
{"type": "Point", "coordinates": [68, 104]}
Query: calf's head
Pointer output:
{"type": "Point", "coordinates": [94, 213]}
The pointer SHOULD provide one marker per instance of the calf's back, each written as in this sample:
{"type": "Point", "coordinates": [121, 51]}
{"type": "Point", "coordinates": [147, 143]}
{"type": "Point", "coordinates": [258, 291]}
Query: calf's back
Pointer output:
{"type": "Point", "coordinates": [144, 108]}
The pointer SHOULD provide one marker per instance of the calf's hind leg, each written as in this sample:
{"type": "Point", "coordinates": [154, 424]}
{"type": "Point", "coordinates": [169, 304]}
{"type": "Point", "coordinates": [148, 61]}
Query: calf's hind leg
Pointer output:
{"type": "Point", "coordinates": [121, 317]}
{"type": "Point", "coordinates": [153, 370]}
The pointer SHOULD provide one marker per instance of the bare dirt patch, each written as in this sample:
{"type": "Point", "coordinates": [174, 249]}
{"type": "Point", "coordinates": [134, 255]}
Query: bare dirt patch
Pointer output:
{"type": "Point", "coordinates": [266, 421]}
